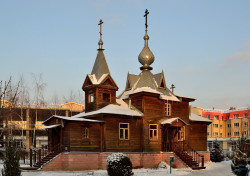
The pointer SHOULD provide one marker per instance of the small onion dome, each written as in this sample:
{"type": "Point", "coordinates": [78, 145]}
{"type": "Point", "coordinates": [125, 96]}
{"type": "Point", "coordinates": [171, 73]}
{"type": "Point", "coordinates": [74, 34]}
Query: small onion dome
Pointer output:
{"type": "Point", "coordinates": [100, 43]}
{"type": "Point", "coordinates": [146, 57]}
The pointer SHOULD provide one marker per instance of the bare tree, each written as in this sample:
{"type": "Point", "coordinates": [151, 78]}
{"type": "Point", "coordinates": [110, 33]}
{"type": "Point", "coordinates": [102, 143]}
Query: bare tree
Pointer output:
{"type": "Point", "coordinates": [39, 88]}
{"type": "Point", "coordinates": [8, 99]}
{"type": "Point", "coordinates": [55, 101]}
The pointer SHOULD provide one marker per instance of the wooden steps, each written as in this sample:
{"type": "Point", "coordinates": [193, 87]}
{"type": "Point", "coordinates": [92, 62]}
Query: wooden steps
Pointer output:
{"type": "Point", "coordinates": [188, 160]}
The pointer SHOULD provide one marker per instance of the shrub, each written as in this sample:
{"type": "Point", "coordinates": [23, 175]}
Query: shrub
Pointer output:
{"type": "Point", "coordinates": [216, 154]}
{"type": "Point", "coordinates": [11, 164]}
{"type": "Point", "coordinates": [118, 164]}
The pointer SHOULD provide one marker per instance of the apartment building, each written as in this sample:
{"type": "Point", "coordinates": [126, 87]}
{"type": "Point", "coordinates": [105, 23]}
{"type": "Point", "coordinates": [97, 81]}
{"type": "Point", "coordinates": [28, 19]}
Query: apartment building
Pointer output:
{"type": "Point", "coordinates": [227, 126]}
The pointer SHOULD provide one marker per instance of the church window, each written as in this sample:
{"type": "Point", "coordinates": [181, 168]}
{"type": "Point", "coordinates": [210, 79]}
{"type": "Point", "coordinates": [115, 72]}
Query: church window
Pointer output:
{"type": "Point", "coordinates": [106, 97]}
{"type": "Point", "coordinates": [124, 131]}
{"type": "Point", "coordinates": [91, 98]}
{"type": "Point", "coordinates": [181, 134]}
{"type": "Point", "coordinates": [167, 109]}
{"type": "Point", "coordinates": [85, 133]}
{"type": "Point", "coordinates": [162, 84]}
{"type": "Point", "coordinates": [153, 131]}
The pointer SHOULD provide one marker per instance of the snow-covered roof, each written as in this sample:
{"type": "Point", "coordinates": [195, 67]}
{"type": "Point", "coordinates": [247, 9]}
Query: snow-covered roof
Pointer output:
{"type": "Point", "coordinates": [171, 120]}
{"type": "Point", "coordinates": [184, 96]}
{"type": "Point", "coordinates": [51, 126]}
{"type": "Point", "coordinates": [196, 118]}
{"type": "Point", "coordinates": [94, 80]}
{"type": "Point", "coordinates": [120, 108]}
{"type": "Point", "coordinates": [147, 82]}
{"type": "Point", "coordinates": [72, 119]}
{"type": "Point", "coordinates": [163, 96]}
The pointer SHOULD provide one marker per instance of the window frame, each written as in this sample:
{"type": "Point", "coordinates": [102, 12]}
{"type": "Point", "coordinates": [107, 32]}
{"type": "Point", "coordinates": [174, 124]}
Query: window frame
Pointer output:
{"type": "Point", "coordinates": [153, 130]}
{"type": "Point", "coordinates": [123, 131]}
{"type": "Point", "coordinates": [85, 133]}
{"type": "Point", "coordinates": [91, 98]}
{"type": "Point", "coordinates": [168, 109]}
{"type": "Point", "coordinates": [181, 134]}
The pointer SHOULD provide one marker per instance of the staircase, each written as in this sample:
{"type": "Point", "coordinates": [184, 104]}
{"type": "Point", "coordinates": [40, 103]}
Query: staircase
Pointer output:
{"type": "Point", "coordinates": [46, 159]}
{"type": "Point", "coordinates": [189, 156]}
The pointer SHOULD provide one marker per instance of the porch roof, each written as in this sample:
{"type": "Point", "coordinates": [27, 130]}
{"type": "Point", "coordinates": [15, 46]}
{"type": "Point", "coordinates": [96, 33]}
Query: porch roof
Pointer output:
{"type": "Point", "coordinates": [171, 120]}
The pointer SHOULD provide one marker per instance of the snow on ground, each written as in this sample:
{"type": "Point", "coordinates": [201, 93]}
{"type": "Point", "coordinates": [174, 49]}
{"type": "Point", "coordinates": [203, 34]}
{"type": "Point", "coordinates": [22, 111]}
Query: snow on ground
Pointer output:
{"type": "Point", "coordinates": [212, 169]}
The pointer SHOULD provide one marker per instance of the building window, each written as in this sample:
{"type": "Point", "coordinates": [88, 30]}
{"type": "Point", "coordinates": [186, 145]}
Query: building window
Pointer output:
{"type": "Point", "coordinates": [245, 133]}
{"type": "Point", "coordinates": [236, 133]}
{"type": "Point", "coordinates": [91, 98]}
{"type": "Point", "coordinates": [181, 134]}
{"type": "Point", "coordinates": [123, 131]}
{"type": "Point", "coordinates": [216, 134]}
{"type": "Point", "coordinates": [106, 97]}
{"type": "Point", "coordinates": [228, 117]}
{"type": "Point", "coordinates": [215, 125]}
{"type": "Point", "coordinates": [236, 124]}
{"type": "Point", "coordinates": [246, 124]}
{"type": "Point", "coordinates": [208, 116]}
{"type": "Point", "coordinates": [220, 134]}
{"type": "Point", "coordinates": [245, 115]}
{"type": "Point", "coordinates": [229, 134]}
{"type": "Point", "coordinates": [216, 117]}
{"type": "Point", "coordinates": [228, 125]}
{"type": "Point", "coordinates": [85, 133]}
{"type": "Point", "coordinates": [167, 109]}
{"type": "Point", "coordinates": [207, 133]}
{"type": "Point", "coordinates": [236, 116]}
{"type": "Point", "coordinates": [153, 131]}
{"type": "Point", "coordinates": [221, 126]}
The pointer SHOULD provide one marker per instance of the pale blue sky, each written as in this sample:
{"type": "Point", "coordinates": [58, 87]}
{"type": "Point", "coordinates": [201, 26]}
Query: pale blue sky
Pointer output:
{"type": "Point", "coordinates": [203, 46]}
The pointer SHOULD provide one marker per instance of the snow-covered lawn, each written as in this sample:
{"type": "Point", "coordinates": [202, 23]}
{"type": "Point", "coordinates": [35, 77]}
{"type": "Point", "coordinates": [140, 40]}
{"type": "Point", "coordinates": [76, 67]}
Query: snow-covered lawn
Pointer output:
{"type": "Point", "coordinates": [213, 169]}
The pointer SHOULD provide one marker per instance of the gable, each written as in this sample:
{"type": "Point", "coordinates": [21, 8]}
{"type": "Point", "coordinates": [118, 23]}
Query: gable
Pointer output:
{"type": "Point", "coordinates": [87, 82]}
{"type": "Point", "coordinates": [109, 82]}
{"type": "Point", "coordinates": [128, 85]}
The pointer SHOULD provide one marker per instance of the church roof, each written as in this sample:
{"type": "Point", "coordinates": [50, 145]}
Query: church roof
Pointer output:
{"type": "Point", "coordinates": [100, 66]}
{"type": "Point", "coordinates": [146, 82]}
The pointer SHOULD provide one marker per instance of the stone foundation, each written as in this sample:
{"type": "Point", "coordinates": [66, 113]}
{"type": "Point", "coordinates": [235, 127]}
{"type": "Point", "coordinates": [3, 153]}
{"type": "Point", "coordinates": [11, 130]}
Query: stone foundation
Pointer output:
{"type": "Point", "coordinates": [77, 161]}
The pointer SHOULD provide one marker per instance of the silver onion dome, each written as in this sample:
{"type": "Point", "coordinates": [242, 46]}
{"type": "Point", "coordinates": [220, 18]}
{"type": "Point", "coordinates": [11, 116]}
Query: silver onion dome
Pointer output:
{"type": "Point", "coordinates": [146, 57]}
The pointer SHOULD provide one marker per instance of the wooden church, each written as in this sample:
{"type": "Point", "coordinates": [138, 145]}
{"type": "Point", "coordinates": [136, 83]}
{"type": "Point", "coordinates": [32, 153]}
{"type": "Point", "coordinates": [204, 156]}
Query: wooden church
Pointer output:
{"type": "Point", "coordinates": [145, 117]}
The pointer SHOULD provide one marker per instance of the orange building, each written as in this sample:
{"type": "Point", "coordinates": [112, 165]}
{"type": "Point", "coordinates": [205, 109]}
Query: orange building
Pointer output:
{"type": "Point", "coordinates": [227, 125]}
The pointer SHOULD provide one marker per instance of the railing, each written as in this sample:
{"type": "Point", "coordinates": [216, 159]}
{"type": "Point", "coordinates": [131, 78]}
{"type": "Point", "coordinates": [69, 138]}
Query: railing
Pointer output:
{"type": "Point", "coordinates": [36, 155]}
{"type": "Point", "coordinates": [196, 156]}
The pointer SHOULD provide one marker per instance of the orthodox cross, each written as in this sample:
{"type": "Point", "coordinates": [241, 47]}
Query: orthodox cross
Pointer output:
{"type": "Point", "coordinates": [172, 88]}
{"type": "Point", "coordinates": [100, 23]}
{"type": "Point", "coordinates": [146, 15]}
